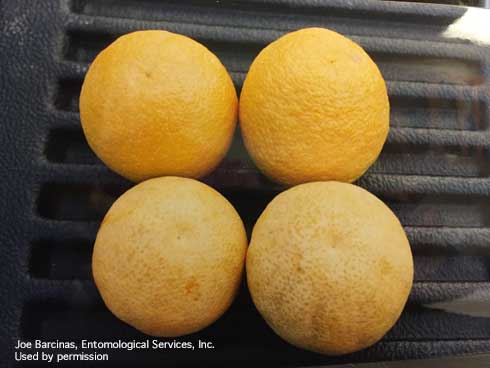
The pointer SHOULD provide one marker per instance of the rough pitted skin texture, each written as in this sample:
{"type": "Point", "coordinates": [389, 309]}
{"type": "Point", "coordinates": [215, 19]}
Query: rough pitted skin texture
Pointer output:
{"type": "Point", "coordinates": [169, 256]}
{"type": "Point", "coordinates": [314, 107]}
{"type": "Point", "coordinates": [155, 103]}
{"type": "Point", "coordinates": [329, 267]}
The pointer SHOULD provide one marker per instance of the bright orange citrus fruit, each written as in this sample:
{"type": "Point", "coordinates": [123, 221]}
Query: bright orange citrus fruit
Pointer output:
{"type": "Point", "coordinates": [314, 107]}
{"type": "Point", "coordinates": [155, 103]}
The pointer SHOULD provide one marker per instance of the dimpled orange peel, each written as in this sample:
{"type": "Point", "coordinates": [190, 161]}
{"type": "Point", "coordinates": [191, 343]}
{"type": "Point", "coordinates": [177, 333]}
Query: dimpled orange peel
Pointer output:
{"type": "Point", "coordinates": [155, 103]}
{"type": "Point", "coordinates": [329, 267]}
{"type": "Point", "coordinates": [169, 256]}
{"type": "Point", "coordinates": [314, 107]}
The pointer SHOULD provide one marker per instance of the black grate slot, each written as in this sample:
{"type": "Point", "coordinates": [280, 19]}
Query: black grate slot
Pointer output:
{"type": "Point", "coordinates": [432, 161]}
{"type": "Point", "coordinates": [69, 146]}
{"type": "Point", "coordinates": [449, 241]}
{"type": "Point", "coordinates": [66, 96]}
{"type": "Point", "coordinates": [37, 316]}
{"type": "Point", "coordinates": [84, 46]}
{"type": "Point", "coordinates": [451, 268]}
{"type": "Point", "coordinates": [428, 69]}
{"type": "Point", "coordinates": [440, 211]}
{"type": "Point", "coordinates": [419, 323]}
{"type": "Point", "coordinates": [418, 112]}
{"type": "Point", "coordinates": [67, 259]}
{"type": "Point", "coordinates": [79, 202]}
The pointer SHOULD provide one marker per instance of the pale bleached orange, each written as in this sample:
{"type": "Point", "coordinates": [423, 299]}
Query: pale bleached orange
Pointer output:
{"type": "Point", "coordinates": [169, 256]}
{"type": "Point", "coordinates": [329, 267]}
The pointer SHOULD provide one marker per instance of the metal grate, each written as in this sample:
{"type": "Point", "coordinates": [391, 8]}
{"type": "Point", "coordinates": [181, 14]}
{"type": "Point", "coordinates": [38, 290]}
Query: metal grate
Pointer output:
{"type": "Point", "coordinates": [434, 171]}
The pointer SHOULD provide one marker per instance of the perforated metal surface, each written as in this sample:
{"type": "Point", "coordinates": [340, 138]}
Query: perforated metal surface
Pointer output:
{"type": "Point", "coordinates": [434, 171]}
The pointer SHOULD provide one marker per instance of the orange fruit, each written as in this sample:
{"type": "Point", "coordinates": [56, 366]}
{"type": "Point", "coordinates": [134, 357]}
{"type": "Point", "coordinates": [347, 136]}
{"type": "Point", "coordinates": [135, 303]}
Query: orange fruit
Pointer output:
{"type": "Point", "coordinates": [155, 103]}
{"type": "Point", "coordinates": [314, 107]}
{"type": "Point", "coordinates": [329, 267]}
{"type": "Point", "coordinates": [169, 256]}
